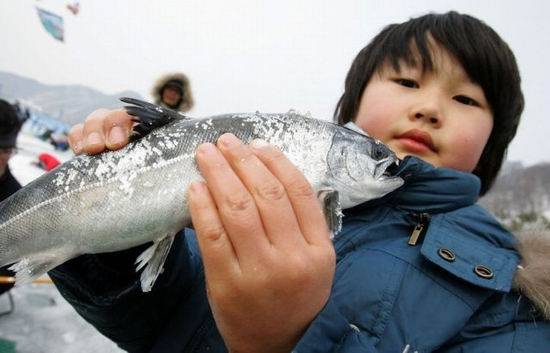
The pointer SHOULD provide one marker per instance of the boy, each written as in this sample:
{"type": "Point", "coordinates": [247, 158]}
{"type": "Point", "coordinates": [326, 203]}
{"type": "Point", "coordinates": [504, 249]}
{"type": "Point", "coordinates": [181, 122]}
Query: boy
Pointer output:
{"type": "Point", "coordinates": [424, 269]}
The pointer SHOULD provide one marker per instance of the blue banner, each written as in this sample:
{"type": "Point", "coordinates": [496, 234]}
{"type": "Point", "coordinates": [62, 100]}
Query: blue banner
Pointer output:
{"type": "Point", "coordinates": [52, 23]}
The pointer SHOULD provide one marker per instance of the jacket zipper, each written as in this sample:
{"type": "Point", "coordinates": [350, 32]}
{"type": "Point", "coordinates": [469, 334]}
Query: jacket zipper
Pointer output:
{"type": "Point", "coordinates": [421, 225]}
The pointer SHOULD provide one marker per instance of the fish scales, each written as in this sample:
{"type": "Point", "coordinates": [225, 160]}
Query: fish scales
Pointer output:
{"type": "Point", "coordinates": [120, 199]}
{"type": "Point", "coordinates": [106, 182]}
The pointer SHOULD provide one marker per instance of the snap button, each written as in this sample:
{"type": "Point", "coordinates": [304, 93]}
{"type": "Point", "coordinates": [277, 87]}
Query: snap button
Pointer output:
{"type": "Point", "coordinates": [483, 272]}
{"type": "Point", "coordinates": [446, 254]}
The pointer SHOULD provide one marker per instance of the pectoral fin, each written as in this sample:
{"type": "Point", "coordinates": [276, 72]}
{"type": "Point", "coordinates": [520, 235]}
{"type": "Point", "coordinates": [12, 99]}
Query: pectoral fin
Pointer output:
{"type": "Point", "coordinates": [153, 259]}
{"type": "Point", "coordinates": [332, 210]}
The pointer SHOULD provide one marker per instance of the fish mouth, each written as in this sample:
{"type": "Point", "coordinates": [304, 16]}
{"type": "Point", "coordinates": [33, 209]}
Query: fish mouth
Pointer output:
{"type": "Point", "coordinates": [417, 141]}
{"type": "Point", "coordinates": [391, 169]}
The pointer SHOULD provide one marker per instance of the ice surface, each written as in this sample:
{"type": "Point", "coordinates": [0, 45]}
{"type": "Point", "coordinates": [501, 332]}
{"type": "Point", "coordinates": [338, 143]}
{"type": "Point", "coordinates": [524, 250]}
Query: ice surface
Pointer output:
{"type": "Point", "coordinates": [43, 322]}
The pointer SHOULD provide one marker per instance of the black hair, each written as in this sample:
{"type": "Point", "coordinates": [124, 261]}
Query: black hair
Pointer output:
{"type": "Point", "coordinates": [9, 124]}
{"type": "Point", "coordinates": [174, 83]}
{"type": "Point", "coordinates": [485, 57]}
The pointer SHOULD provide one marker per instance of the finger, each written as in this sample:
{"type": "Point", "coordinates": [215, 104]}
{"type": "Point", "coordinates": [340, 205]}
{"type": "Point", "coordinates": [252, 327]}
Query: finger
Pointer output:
{"type": "Point", "coordinates": [302, 197]}
{"type": "Point", "coordinates": [94, 137]}
{"type": "Point", "coordinates": [270, 196]}
{"type": "Point", "coordinates": [217, 252]}
{"type": "Point", "coordinates": [236, 206]}
{"type": "Point", "coordinates": [117, 127]}
{"type": "Point", "coordinates": [76, 138]}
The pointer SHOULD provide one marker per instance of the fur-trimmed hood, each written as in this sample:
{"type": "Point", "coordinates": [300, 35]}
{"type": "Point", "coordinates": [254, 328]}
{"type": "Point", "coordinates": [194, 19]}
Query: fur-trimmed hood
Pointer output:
{"type": "Point", "coordinates": [187, 100]}
{"type": "Point", "coordinates": [532, 278]}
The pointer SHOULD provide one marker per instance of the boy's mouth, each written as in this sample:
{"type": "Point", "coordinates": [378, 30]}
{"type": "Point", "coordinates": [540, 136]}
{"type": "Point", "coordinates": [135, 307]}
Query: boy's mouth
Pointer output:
{"type": "Point", "coordinates": [417, 141]}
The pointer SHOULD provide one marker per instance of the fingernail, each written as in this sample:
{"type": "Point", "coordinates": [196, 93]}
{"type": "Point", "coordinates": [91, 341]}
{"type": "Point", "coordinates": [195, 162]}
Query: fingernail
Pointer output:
{"type": "Point", "coordinates": [78, 147]}
{"type": "Point", "coordinates": [117, 135]}
{"type": "Point", "coordinates": [206, 148]}
{"type": "Point", "coordinates": [196, 187]}
{"type": "Point", "coordinates": [94, 139]}
{"type": "Point", "coordinates": [228, 140]}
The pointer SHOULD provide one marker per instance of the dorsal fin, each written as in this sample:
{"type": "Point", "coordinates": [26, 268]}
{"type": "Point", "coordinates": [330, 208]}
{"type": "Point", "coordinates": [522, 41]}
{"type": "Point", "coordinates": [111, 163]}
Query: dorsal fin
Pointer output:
{"type": "Point", "coordinates": [149, 116]}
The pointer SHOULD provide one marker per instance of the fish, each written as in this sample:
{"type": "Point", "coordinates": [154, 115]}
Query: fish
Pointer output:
{"type": "Point", "coordinates": [137, 195]}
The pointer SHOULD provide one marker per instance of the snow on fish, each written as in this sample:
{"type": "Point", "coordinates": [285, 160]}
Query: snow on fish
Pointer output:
{"type": "Point", "coordinates": [121, 199]}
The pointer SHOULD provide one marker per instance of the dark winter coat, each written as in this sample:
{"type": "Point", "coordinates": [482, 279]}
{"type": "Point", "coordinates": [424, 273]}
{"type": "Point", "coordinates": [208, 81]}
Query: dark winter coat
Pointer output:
{"type": "Point", "coordinates": [449, 290]}
{"type": "Point", "coordinates": [8, 186]}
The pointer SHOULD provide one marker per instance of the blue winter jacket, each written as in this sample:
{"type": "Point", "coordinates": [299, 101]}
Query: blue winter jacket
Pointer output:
{"type": "Point", "coordinates": [422, 270]}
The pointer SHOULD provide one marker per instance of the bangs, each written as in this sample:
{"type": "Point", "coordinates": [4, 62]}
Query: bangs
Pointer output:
{"type": "Point", "coordinates": [414, 43]}
{"type": "Point", "coordinates": [414, 51]}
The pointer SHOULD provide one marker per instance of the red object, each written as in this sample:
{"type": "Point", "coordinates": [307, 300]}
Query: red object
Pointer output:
{"type": "Point", "coordinates": [47, 161]}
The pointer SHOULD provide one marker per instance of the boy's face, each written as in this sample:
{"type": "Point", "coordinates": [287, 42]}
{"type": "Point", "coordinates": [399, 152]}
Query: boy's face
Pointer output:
{"type": "Point", "coordinates": [439, 116]}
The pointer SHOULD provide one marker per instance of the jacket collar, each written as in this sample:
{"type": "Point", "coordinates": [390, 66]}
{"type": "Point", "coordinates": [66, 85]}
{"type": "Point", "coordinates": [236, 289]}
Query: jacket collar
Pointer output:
{"type": "Point", "coordinates": [438, 190]}
{"type": "Point", "coordinates": [429, 189]}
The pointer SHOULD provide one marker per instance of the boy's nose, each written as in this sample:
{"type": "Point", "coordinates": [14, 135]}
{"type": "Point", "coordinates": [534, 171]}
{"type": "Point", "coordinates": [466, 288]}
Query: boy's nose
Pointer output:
{"type": "Point", "coordinates": [429, 112]}
{"type": "Point", "coordinates": [431, 118]}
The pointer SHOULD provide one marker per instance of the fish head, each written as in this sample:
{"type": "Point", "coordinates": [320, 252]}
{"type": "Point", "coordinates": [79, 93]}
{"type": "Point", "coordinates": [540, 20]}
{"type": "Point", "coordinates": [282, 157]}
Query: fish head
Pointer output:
{"type": "Point", "coordinates": [361, 168]}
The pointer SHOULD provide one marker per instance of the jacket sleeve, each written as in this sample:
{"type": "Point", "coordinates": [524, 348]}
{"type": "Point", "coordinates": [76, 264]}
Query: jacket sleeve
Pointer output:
{"type": "Point", "coordinates": [508, 324]}
{"type": "Point", "coordinates": [105, 290]}
{"type": "Point", "coordinates": [382, 303]}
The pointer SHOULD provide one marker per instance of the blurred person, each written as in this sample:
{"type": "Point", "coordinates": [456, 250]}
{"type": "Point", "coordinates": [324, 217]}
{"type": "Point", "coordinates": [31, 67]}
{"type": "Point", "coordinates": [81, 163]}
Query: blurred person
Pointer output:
{"type": "Point", "coordinates": [173, 91]}
{"type": "Point", "coordinates": [9, 129]}
{"type": "Point", "coordinates": [59, 141]}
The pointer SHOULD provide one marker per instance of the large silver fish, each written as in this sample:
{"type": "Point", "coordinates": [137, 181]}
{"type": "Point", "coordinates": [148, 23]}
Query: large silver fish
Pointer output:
{"type": "Point", "coordinates": [121, 199]}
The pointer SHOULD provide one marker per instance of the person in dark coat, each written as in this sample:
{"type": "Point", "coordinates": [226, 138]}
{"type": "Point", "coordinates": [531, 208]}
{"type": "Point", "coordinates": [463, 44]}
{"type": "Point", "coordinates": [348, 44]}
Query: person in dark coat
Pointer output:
{"type": "Point", "coordinates": [10, 125]}
{"type": "Point", "coordinates": [173, 91]}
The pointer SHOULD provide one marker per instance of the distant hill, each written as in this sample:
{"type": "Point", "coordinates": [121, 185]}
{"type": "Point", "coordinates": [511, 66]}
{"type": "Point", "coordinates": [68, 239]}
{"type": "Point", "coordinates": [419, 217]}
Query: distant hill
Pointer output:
{"type": "Point", "coordinates": [68, 103]}
{"type": "Point", "coordinates": [520, 193]}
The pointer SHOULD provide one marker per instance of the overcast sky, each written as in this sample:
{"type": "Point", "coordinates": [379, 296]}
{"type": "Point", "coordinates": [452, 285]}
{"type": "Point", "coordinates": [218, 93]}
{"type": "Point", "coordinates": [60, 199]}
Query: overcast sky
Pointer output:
{"type": "Point", "coordinates": [248, 55]}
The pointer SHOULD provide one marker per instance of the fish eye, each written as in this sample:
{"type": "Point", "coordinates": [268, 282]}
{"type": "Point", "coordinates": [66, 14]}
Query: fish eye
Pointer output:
{"type": "Point", "coordinates": [379, 151]}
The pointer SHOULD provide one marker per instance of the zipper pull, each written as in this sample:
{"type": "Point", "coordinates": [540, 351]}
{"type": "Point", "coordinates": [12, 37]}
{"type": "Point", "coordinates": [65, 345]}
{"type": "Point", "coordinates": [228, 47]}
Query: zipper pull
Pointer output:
{"type": "Point", "coordinates": [423, 220]}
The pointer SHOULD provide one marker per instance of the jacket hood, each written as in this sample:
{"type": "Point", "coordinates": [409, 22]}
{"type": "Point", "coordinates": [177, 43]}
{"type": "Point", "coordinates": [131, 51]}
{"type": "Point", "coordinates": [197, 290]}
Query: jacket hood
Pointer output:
{"type": "Point", "coordinates": [187, 98]}
{"type": "Point", "coordinates": [532, 278]}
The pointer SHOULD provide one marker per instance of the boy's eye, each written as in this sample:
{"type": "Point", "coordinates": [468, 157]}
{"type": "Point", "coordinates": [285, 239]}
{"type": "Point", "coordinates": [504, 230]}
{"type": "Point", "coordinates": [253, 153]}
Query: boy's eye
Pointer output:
{"type": "Point", "coordinates": [406, 82]}
{"type": "Point", "coordinates": [466, 100]}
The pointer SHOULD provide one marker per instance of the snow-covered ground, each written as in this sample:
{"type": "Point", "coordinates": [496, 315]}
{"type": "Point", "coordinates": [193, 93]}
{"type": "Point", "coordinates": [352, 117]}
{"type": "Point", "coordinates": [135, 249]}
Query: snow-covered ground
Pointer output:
{"type": "Point", "coordinates": [43, 322]}
{"type": "Point", "coordinates": [28, 149]}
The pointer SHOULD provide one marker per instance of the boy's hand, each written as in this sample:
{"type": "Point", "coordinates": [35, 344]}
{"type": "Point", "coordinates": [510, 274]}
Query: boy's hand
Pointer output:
{"type": "Point", "coordinates": [268, 258]}
{"type": "Point", "coordinates": [103, 129]}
